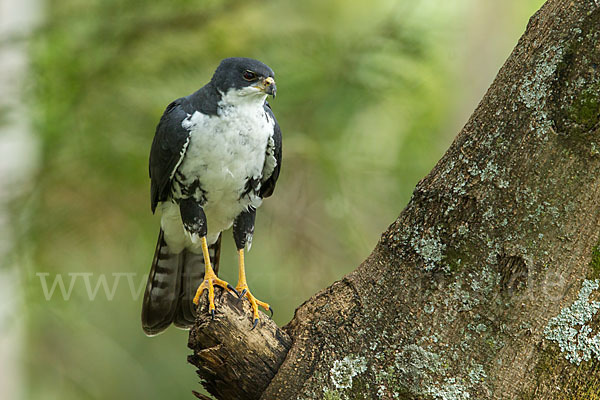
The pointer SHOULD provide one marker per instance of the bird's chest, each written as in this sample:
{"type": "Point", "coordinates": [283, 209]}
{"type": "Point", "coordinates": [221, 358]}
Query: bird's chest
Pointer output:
{"type": "Point", "coordinates": [226, 150]}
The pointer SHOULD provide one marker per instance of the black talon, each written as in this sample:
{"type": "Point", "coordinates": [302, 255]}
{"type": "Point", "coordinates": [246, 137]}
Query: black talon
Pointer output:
{"type": "Point", "coordinates": [243, 293]}
{"type": "Point", "coordinates": [254, 324]}
{"type": "Point", "coordinates": [271, 311]}
{"type": "Point", "coordinates": [212, 313]}
{"type": "Point", "coordinates": [232, 288]}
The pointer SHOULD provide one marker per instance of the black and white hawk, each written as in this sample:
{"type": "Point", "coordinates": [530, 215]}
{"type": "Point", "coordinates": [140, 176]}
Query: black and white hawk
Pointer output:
{"type": "Point", "coordinates": [216, 154]}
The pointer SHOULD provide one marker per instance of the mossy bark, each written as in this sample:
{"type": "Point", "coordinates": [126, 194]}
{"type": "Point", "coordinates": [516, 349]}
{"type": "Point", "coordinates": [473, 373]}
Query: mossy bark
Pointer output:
{"type": "Point", "coordinates": [454, 301]}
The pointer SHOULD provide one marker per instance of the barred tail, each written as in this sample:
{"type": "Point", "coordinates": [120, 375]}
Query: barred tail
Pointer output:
{"type": "Point", "coordinates": [162, 289]}
{"type": "Point", "coordinates": [191, 278]}
{"type": "Point", "coordinates": [172, 285]}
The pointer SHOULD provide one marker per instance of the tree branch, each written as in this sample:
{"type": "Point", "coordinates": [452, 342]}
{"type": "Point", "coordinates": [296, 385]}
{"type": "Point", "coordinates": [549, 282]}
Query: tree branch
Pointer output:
{"type": "Point", "coordinates": [235, 361]}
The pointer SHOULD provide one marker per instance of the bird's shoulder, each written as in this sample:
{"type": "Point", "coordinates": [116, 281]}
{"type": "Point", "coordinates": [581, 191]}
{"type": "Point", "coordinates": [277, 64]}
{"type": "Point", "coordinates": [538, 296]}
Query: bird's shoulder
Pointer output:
{"type": "Point", "coordinates": [168, 148]}
{"type": "Point", "coordinates": [171, 132]}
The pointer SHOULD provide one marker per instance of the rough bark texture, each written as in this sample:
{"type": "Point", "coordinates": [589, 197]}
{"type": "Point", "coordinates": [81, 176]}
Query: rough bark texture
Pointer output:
{"type": "Point", "coordinates": [235, 361]}
{"type": "Point", "coordinates": [485, 286]}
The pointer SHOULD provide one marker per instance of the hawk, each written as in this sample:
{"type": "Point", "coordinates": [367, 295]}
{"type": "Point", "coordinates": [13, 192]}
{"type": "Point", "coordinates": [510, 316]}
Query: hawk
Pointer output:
{"type": "Point", "coordinates": [215, 155]}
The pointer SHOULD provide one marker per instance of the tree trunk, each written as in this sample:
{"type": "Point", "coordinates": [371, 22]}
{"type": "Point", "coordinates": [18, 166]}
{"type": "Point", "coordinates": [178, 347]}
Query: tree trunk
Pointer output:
{"type": "Point", "coordinates": [485, 287]}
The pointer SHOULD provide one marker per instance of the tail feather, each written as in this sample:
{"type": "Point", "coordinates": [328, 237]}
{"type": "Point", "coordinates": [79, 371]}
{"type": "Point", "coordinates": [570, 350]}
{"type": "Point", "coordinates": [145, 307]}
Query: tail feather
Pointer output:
{"type": "Point", "coordinates": [191, 277]}
{"type": "Point", "coordinates": [162, 289]}
{"type": "Point", "coordinates": [172, 284]}
{"type": "Point", "coordinates": [215, 254]}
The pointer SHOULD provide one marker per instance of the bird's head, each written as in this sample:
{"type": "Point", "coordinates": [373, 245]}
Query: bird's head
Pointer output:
{"type": "Point", "coordinates": [244, 79]}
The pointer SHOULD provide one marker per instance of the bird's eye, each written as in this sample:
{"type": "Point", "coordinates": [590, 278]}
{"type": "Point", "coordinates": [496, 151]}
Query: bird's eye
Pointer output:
{"type": "Point", "coordinates": [249, 75]}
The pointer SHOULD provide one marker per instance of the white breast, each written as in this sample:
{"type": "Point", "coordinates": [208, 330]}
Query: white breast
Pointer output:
{"type": "Point", "coordinates": [223, 153]}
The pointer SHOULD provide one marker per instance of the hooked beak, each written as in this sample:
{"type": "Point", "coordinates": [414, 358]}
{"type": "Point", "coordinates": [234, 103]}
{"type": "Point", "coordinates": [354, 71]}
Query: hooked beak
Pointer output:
{"type": "Point", "coordinates": [269, 87]}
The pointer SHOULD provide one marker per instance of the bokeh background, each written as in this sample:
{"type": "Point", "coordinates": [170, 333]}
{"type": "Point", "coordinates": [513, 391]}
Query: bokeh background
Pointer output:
{"type": "Point", "coordinates": [370, 94]}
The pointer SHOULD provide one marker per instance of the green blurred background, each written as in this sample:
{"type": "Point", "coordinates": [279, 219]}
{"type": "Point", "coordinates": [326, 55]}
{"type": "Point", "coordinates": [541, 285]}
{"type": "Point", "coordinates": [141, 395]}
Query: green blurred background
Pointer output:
{"type": "Point", "coordinates": [370, 94]}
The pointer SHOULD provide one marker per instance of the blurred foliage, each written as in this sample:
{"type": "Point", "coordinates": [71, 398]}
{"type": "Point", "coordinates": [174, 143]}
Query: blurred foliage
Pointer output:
{"type": "Point", "coordinates": [370, 96]}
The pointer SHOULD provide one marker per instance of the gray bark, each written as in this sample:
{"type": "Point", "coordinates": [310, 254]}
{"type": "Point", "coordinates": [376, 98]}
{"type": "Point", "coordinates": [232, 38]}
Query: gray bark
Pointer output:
{"type": "Point", "coordinates": [485, 286]}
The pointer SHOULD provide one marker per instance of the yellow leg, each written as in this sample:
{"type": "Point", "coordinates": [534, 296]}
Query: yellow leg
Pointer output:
{"type": "Point", "coordinates": [210, 280]}
{"type": "Point", "coordinates": [242, 288]}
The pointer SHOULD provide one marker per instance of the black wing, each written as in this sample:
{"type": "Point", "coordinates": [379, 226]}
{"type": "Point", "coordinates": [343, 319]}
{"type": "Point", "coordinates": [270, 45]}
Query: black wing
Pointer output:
{"type": "Point", "coordinates": [168, 149]}
{"type": "Point", "coordinates": [268, 185]}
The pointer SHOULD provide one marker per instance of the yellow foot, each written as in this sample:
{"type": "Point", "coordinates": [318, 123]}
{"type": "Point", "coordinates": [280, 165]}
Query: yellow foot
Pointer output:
{"type": "Point", "coordinates": [254, 302]}
{"type": "Point", "coordinates": [209, 282]}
